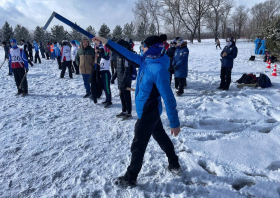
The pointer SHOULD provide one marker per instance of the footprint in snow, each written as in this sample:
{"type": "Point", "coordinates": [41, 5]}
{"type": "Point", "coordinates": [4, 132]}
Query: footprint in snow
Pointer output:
{"type": "Point", "coordinates": [206, 167]}
{"type": "Point", "coordinates": [274, 166]}
{"type": "Point", "coordinates": [241, 183]}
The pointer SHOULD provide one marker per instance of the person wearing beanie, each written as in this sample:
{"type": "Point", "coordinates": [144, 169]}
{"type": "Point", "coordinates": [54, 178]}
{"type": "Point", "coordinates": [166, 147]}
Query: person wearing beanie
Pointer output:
{"type": "Point", "coordinates": [74, 50]}
{"type": "Point", "coordinates": [152, 84]}
{"type": "Point", "coordinates": [57, 55]}
{"type": "Point", "coordinates": [180, 65]}
{"type": "Point", "coordinates": [30, 51]}
{"type": "Point", "coordinates": [48, 50]}
{"type": "Point", "coordinates": [131, 44]}
{"type": "Point", "coordinates": [85, 59]}
{"type": "Point", "coordinates": [42, 50]}
{"type": "Point", "coordinates": [19, 65]}
{"type": "Point", "coordinates": [25, 49]}
{"type": "Point", "coordinates": [65, 59]}
{"type": "Point", "coordinates": [170, 53]}
{"type": "Point", "coordinates": [6, 57]}
{"type": "Point", "coordinates": [228, 54]}
{"type": "Point", "coordinates": [37, 57]}
{"type": "Point", "coordinates": [166, 45]}
{"type": "Point", "coordinates": [104, 65]}
{"type": "Point", "coordinates": [124, 71]}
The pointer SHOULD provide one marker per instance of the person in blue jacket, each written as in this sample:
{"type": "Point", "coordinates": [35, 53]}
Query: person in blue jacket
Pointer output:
{"type": "Point", "coordinates": [257, 41]}
{"type": "Point", "coordinates": [57, 54]}
{"type": "Point", "coordinates": [152, 84]}
{"type": "Point", "coordinates": [263, 46]}
{"type": "Point", "coordinates": [180, 65]}
{"type": "Point", "coordinates": [228, 54]}
{"type": "Point", "coordinates": [36, 48]}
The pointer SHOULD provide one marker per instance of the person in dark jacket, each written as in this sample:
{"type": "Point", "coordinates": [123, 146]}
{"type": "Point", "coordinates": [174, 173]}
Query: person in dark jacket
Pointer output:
{"type": "Point", "coordinates": [42, 50]}
{"type": "Point", "coordinates": [25, 48]}
{"type": "Point", "coordinates": [6, 57]}
{"type": "Point", "coordinates": [152, 85]}
{"type": "Point", "coordinates": [180, 65]}
{"type": "Point", "coordinates": [48, 51]}
{"type": "Point", "coordinates": [131, 44]}
{"type": "Point", "coordinates": [228, 54]}
{"type": "Point", "coordinates": [170, 53]}
{"type": "Point", "coordinates": [124, 69]}
{"type": "Point", "coordinates": [30, 51]}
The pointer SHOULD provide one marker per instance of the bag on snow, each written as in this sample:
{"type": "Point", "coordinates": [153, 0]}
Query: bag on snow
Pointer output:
{"type": "Point", "coordinates": [263, 81]}
{"type": "Point", "coordinates": [252, 58]}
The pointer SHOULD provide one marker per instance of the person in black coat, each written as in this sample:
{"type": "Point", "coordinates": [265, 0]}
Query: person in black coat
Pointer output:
{"type": "Point", "coordinates": [25, 49]}
{"type": "Point", "coordinates": [170, 53]}
{"type": "Point", "coordinates": [228, 54]}
{"type": "Point", "coordinates": [30, 51]}
{"type": "Point", "coordinates": [6, 58]}
{"type": "Point", "coordinates": [124, 70]}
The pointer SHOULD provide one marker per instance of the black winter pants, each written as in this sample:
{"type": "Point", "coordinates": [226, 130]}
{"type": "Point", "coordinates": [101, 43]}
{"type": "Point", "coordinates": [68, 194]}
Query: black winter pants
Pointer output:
{"type": "Point", "coordinates": [30, 54]}
{"type": "Point", "coordinates": [76, 67]}
{"type": "Point", "coordinates": [225, 77]}
{"type": "Point", "coordinates": [66, 64]}
{"type": "Point", "coordinates": [48, 55]}
{"type": "Point", "coordinates": [149, 125]}
{"type": "Point", "coordinates": [114, 77]}
{"type": "Point", "coordinates": [171, 73]}
{"type": "Point", "coordinates": [42, 53]}
{"type": "Point", "coordinates": [113, 66]}
{"type": "Point", "coordinates": [29, 61]}
{"type": "Point", "coordinates": [126, 101]}
{"type": "Point", "coordinates": [106, 77]}
{"type": "Point", "coordinates": [180, 84]}
{"type": "Point", "coordinates": [37, 57]}
{"type": "Point", "coordinates": [59, 62]}
{"type": "Point", "coordinates": [18, 75]}
{"type": "Point", "coordinates": [218, 45]}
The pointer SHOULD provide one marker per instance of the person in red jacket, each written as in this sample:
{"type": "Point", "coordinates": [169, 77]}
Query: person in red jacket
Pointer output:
{"type": "Point", "coordinates": [165, 44]}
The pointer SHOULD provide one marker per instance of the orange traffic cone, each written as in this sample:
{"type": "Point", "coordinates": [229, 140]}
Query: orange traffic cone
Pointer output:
{"type": "Point", "coordinates": [274, 73]}
{"type": "Point", "coordinates": [268, 67]}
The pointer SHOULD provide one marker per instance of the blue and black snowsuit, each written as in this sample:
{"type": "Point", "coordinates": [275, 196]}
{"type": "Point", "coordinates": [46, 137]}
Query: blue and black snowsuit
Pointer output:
{"type": "Point", "coordinates": [257, 41]}
{"type": "Point", "coordinates": [262, 48]}
{"type": "Point", "coordinates": [227, 65]}
{"type": "Point", "coordinates": [152, 85]}
{"type": "Point", "coordinates": [36, 47]}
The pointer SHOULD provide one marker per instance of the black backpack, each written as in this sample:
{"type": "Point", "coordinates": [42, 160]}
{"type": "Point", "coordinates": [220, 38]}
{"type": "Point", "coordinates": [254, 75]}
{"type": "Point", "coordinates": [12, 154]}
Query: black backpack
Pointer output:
{"type": "Point", "coordinates": [252, 58]}
{"type": "Point", "coordinates": [263, 81]}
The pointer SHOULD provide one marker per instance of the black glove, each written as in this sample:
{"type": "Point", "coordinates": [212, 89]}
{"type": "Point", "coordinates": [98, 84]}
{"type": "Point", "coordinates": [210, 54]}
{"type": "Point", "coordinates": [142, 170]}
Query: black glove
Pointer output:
{"type": "Point", "coordinates": [175, 67]}
{"type": "Point", "coordinates": [26, 70]}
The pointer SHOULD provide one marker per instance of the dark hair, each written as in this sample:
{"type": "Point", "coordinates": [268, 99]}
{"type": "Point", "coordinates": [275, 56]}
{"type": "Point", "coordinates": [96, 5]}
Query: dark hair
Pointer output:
{"type": "Point", "coordinates": [163, 37]}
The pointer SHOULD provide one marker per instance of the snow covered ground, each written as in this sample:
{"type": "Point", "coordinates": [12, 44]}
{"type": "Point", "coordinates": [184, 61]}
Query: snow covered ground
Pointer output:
{"type": "Point", "coordinates": [54, 143]}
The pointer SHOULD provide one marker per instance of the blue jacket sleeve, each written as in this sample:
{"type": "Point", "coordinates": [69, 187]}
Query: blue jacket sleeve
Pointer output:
{"type": "Point", "coordinates": [126, 53]}
{"type": "Point", "coordinates": [183, 59]}
{"type": "Point", "coordinates": [23, 57]}
{"type": "Point", "coordinates": [234, 54]}
{"type": "Point", "coordinates": [163, 86]}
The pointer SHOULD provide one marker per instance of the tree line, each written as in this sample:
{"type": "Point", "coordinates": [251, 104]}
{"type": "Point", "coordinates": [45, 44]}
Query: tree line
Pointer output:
{"type": "Point", "coordinates": [190, 19]}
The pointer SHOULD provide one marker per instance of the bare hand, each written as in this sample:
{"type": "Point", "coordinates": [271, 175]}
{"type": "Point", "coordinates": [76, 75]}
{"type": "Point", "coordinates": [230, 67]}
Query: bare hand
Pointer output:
{"type": "Point", "coordinates": [224, 54]}
{"type": "Point", "coordinates": [175, 131]}
{"type": "Point", "coordinates": [97, 40]}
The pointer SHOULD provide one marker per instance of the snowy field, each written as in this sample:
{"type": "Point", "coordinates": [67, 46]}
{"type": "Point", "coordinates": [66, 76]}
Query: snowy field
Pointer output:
{"type": "Point", "coordinates": [54, 143]}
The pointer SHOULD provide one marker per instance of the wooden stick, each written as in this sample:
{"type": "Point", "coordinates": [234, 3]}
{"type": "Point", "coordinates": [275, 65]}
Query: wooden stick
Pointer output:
{"type": "Point", "coordinates": [246, 85]}
{"type": "Point", "coordinates": [130, 89]}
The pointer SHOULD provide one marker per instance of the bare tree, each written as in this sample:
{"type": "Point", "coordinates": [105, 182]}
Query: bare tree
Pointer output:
{"type": "Point", "coordinates": [154, 10]}
{"type": "Point", "coordinates": [170, 17]}
{"type": "Point", "coordinates": [240, 18]}
{"type": "Point", "coordinates": [141, 12]}
{"type": "Point", "coordinates": [215, 14]}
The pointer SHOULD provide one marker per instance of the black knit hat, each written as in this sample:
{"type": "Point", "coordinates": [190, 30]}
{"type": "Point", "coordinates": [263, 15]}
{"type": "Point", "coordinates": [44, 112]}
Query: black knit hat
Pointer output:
{"type": "Point", "coordinates": [151, 40]}
{"type": "Point", "coordinates": [23, 40]}
{"type": "Point", "coordinates": [4, 43]}
{"type": "Point", "coordinates": [124, 44]}
{"type": "Point", "coordinates": [163, 37]}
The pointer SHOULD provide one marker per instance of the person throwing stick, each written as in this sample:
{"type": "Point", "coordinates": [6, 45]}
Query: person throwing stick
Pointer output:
{"type": "Point", "coordinates": [153, 82]}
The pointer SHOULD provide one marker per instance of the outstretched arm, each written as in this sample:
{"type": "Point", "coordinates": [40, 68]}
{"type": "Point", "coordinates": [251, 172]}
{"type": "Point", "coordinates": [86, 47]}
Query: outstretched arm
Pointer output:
{"type": "Point", "coordinates": [119, 49]}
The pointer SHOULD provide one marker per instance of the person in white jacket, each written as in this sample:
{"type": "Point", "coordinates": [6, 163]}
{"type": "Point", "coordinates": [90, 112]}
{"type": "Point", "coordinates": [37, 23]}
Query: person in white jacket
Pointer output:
{"type": "Point", "coordinates": [74, 50]}
{"type": "Point", "coordinates": [65, 59]}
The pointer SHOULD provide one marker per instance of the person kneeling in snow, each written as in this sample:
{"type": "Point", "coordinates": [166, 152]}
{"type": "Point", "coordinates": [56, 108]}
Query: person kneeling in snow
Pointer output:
{"type": "Point", "coordinates": [19, 65]}
{"type": "Point", "coordinates": [228, 54]}
{"type": "Point", "coordinates": [152, 84]}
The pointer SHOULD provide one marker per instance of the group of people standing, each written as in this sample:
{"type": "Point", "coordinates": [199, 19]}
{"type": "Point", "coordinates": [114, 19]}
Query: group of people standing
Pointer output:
{"type": "Point", "coordinates": [260, 45]}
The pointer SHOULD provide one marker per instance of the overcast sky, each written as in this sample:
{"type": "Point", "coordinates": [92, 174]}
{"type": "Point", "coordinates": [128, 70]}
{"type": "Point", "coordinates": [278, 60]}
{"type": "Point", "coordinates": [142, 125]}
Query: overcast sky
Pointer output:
{"type": "Point", "coordinates": [30, 13]}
